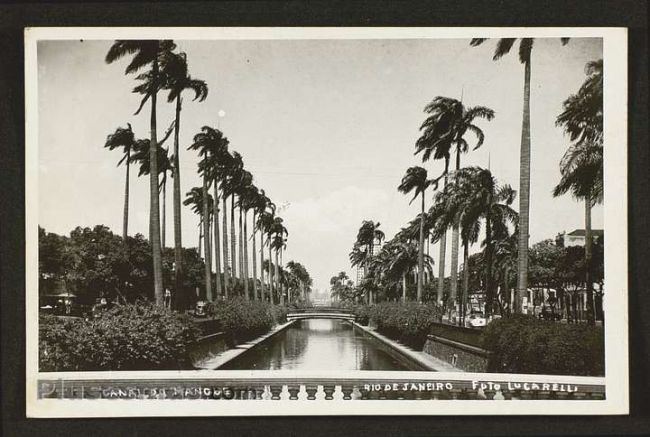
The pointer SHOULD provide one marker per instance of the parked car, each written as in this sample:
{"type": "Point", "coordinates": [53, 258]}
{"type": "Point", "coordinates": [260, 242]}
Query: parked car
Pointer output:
{"type": "Point", "coordinates": [199, 309]}
{"type": "Point", "coordinates": [477, 320]}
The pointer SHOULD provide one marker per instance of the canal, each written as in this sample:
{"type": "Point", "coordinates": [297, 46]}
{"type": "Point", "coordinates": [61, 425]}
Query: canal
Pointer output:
{"type": "Point", "coordinates": [321, 344]}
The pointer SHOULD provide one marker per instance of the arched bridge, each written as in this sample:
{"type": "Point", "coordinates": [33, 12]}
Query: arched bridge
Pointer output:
{"type": "Point", "coordinates": [320, 313]}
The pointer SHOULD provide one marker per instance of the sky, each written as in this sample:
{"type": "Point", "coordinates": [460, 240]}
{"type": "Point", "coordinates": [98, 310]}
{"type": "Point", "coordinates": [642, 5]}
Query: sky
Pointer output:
{"type": "Point", "coordinates": [326, 127]}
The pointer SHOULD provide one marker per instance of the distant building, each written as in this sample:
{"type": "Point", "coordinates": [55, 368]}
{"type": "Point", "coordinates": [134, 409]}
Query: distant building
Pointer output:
{"type": "Point", "coordinates": [577, 237]}
{"type": "Point", "coordinates": [361, 270]}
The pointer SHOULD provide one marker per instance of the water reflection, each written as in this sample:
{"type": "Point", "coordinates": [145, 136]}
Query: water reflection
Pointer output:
{"type": "Point", "coordinates": [319, 344]}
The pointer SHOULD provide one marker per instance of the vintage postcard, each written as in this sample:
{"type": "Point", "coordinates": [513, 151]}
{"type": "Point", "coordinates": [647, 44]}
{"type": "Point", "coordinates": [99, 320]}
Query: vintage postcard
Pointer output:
{"type": "Point", "coordinates": [326, 221]}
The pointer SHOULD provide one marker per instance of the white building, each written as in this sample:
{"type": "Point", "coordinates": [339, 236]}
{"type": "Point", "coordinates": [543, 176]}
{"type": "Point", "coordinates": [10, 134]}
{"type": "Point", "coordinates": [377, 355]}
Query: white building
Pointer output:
{"type": "Point", "coordinates": [577, 237]}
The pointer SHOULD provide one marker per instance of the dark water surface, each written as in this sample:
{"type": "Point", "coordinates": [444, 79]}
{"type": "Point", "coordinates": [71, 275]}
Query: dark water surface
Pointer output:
{"type": "Point", "coordinates": [320, 344]}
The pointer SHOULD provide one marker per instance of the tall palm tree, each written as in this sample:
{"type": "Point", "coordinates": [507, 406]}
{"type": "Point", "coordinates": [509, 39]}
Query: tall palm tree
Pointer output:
{"type": "Point", "coordinates": [278, 243]}
{"type": "Point", "coordinates": [247, 198]}
{"type": "Point", "coordinates": [503, 47]}
{"type": "Point", "coordinates": [244, 181]}
{"type": "Point", "coordinates": [258, 203]}
{"type": "Point", "coordinates": [264, 224]}
{"type": "Point", "coordinates": [474, 196]}
{"type": "Point", "coordinates": [444, 129]}
{"type": "Point", "coordinates": [416, 179]}
{"type": "Point", "coordinates": [164, 165]}
{"type": "Point", "coordinates": [226, 163]}
{"type": "Point", "coordinates": [581, 166]}
{"type": "Point", "coordinates": [123, 138]}
{"type": "Point", "coordinates": [145, 53]}
{"type": "Point", "coordinates": [174, 68]}
{"type": "Point", "coordinates": [196, 199]}
{"type": "Point", "coordinates": [369, 234]}
{"type": "Point", "coordinates": [206, 142]}
{"type": "Point", "coordinates": [230, 186]}
{"type": "Point", "coordinates": [217, 146]}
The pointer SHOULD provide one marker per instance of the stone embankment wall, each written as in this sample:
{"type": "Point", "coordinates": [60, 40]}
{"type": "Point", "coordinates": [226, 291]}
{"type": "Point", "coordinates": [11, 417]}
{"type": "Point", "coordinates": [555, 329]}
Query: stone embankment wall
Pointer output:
{"type": "Point", "coordinates": [206, 347]}
{"type": "Point", "coordinates": [460, 354]}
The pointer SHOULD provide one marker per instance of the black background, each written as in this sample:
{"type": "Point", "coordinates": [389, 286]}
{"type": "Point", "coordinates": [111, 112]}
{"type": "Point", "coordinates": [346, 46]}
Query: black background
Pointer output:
{"type": "Point", "coordinates": [617, 13]}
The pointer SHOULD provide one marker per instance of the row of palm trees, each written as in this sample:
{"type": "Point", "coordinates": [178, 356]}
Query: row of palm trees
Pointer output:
{"type": "Point", "coordinates": [471, 197]}
{"type": "Point", "coordinates": [235, 195]}
{"type": "Point", "coordinates": [162, 69]}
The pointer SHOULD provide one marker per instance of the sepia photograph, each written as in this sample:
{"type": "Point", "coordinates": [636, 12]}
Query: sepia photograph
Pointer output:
{"type": "Point", "coordinates": [326, 221]}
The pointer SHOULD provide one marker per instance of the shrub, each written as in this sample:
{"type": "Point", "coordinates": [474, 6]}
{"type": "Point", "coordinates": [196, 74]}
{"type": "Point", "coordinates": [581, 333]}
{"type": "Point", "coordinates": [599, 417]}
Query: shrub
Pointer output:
{"type": "Point", "coordinates": [126, 337]}
{"type": "Point", "coordinates": [524, 344]}
{"type": "Point", "coordinates": [361, 314]}
{"type": "Point", "coordinates": [244, 320]}
{"type": "Point", "coordinates": [408, 322]}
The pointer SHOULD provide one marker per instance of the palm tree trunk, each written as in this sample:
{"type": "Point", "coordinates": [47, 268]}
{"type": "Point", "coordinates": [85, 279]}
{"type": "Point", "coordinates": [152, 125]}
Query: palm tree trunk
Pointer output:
{"type": "Point", "coordinates": [217, 243]}
{"type": "Point", "coordinates": [280, 283]}
{"type": "Point", "coordinates": [489, 293]}
{"type": "Point", "coordinates": [524, 191]}
{"type": "Point", "coordinates": [454, 250]}
{"type": "Point", "coordinates": [588, 282]}
{"type": "Point", "coordinates": [245, 251]}
{"type": "Point", "coordinates": [242, 267]}
{"type": "Point", "coordinates": [277, 278]}
{"type": "Point", "coordinates": [226, 261]}
{"type": "Point", "coordinates": [181, 299]}
{"type": "Point", "coordinates": [271, 284]}
{"type": "Point", "coordinates": [206, 243]}
{"type": "Point", "coordinates": [421, 253]}
{"type": "Point", "coordinates": [465, 280]}
{"type": "Point", "coordinates": [125, 223]}
{"type": "Point", "coordinates": [164, 210]}
{"type": "Point", "coordinates": [506, 288]}
{"type": "Point", "coordinates": [233, 244]}
{"type": "Point", "coordinates": [262, 263]}
{"type": "Point", "coordinates": [254, 257]}
{"type": "Point", "coordinates": [200, 234]}
{"type": "Point", "coordinates": [403, 287]}
{"type": "Point", "coordinates": [443, 249]}
{"type": "Point", "coordinates": [154, 200]}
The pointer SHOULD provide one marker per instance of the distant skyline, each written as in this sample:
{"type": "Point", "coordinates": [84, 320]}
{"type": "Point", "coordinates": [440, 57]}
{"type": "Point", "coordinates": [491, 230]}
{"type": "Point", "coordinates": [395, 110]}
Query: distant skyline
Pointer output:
{"type": "Point", "coordinates": [327, 128]}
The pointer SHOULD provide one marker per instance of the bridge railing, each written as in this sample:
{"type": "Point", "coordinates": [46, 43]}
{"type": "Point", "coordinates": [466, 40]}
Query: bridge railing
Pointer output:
{"type": "Point", "coordinates": [357, 385]}
{"type": "Point", "coordinates": [320, 310]}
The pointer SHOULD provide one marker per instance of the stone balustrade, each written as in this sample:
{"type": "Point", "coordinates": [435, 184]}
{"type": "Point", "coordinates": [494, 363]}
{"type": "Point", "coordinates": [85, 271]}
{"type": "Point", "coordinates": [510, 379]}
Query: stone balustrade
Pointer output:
{"type": "Point", "coordinates": [364, 385]}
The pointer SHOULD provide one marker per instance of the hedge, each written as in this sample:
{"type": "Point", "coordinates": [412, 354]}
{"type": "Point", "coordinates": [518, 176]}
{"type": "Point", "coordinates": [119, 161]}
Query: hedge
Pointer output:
{"type": "Point", "coordinates": [361, 314]}
{"type": "Point", "coordinates": [243, 320]}
{"type": "Point", "coordinates": [524, 344]}
{"type": "Point", "coordinates": [408, 322]}
{"type": "Point", "coordinates": [126, 337]}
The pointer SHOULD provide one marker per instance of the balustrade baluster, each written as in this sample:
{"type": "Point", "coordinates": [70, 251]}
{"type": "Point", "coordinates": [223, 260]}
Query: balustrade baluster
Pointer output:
{"type": "Point", "coordinates": [276, 391]}
{"type": "Point", "coordinates": [311, 391]}
{"type": "Point", "coordinates": [347, 391]}
{"type": "Point", "coordinates": [293, 391]}
{"type": "Point", "coordinates": [356, 393]}
{"type": "Point", "coordinates": [329, 391]}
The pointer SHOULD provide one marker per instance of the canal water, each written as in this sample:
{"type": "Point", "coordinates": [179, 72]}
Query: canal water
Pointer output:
{"type": "Point", "coordinates": [320, 344]}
